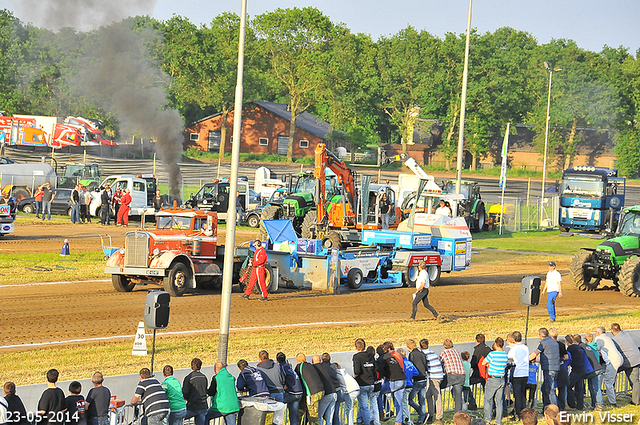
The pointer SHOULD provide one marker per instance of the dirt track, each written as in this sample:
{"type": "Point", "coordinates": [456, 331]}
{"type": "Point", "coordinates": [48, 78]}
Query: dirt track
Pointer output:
{"type": "Point", "coordinates": [77, 310]}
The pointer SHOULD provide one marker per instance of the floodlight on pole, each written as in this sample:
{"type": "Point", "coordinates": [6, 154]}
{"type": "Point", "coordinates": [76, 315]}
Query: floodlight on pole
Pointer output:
{"type": "Point", "coordinates": [546, 137]}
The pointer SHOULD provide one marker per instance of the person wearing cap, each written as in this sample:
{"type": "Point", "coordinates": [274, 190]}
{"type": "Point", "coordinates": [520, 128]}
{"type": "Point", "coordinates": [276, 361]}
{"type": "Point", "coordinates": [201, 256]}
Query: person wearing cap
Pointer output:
{"type": "Point", "coordinates": [422, 293]}
{"type": "Point", "coordinates": [553, 288]}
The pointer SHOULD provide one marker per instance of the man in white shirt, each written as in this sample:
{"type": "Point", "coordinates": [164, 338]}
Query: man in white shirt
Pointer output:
{"type": "Point", "coordinates": [553, 288]}
{"type": "Point", "coordinates": [422, 292]}
{"type": "Point", "coordinates": [519, 357]}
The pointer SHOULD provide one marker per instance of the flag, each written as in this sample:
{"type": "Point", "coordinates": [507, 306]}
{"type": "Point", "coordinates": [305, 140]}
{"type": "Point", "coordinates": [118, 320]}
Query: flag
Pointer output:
{"type": "Point", "coordinates": [503, 171]}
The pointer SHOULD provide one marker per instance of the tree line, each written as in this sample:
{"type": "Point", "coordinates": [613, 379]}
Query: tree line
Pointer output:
{"type": "Point", "coordinates": [371, 90]}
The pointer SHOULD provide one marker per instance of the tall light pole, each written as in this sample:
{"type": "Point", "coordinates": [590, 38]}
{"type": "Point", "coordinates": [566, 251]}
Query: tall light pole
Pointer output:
{"type": "Point", "coordinates": [230, 241]}
{"type": "Point", "coordinates": [546, 138]}
{"type": "Point", "coordinates": [463, 101]}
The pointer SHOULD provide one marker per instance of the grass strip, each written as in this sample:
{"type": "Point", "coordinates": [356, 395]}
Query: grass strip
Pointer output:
{"type": "Point", "coordinates": [114, 358]}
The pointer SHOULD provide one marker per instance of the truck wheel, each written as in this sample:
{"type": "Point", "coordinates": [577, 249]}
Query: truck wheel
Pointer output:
{"type": "Point", "coordinates": [309, 225]}
{"type": "Point", "coordinates": [69, 211]}
{"type": "Point", "coordinates": [434, 275]}
{"type": "Point", "coordinates": [28, 209]}
{"type": "Point", "coordinates": [354, 278]}
{"type": "Point", "coordinates": [332, 240]}
{"type": "Point", "coordinates": [122, 283]}
{"type": "Point", "coordinates": [20, 193]}
{"type": "Point", "coordinates": [254, 221]}
{"type": "Point", "coordinates": [177, 280]}
{"type": "Point", "coordinates": [564, 229]}
{"type": "Point", "coordinates": [411, 276]}
{"type": "Point", "coordinates": [268, 279]}
{"type": "Point", "coordinates": [583, 279]}
{"type": "Point", "coordinates": [629, 282]}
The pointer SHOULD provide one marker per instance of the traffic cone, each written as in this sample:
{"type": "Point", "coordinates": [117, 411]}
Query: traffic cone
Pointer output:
{"type": "Point", "coordinates": [65, 248]}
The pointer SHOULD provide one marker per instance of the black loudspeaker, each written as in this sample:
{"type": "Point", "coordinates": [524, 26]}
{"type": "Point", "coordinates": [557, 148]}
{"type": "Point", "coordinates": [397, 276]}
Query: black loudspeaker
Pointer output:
{"type": "Point", "coordinates": [530, 291]}
{"type": "Point", "coordinates": [156, 310]}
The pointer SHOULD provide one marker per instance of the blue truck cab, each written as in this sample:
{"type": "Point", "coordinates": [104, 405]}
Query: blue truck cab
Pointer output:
{"type": "Point", "coordinates": [591, 198]}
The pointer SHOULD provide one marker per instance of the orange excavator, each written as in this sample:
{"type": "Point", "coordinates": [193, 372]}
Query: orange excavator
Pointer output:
{"type": "Point", "coordinates": [338, 214]}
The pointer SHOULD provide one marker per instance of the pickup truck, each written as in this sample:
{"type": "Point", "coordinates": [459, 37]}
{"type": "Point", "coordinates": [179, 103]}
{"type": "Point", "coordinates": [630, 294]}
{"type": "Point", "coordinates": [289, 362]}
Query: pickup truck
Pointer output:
{"type": "Point", "coordinates": [142, 187]}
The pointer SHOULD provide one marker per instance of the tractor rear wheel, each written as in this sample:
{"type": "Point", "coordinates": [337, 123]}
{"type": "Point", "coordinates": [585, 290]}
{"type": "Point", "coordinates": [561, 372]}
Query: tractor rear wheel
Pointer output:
{"type": "Point", "coordinates": [332, 240]}
{"type": "Point", "coordinates": [629, 281]}
{"type": "Point", "coordinates": [309, 225]}
{"type": "Point", "coordinates": [583, 278]}
{"type": "Point", "coordinates": [122, 283]}
{"type": "Point", "coordinates": [270, 212]}
{"type": "Point", "coordinates": [479, 217]}
{"type": "Point", "coordinates": [177, 280]}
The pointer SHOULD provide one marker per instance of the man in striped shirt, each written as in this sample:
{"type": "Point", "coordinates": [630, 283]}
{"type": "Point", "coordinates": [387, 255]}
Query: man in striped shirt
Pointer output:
{"type": "Point", "coordinates": [452, 361]}
{"type": "Point", "coordinates": [436, 375]}
{"type": "Point", "coordinates": [153, 397]}
{"type": "Point", "coordinates": [494, 388]}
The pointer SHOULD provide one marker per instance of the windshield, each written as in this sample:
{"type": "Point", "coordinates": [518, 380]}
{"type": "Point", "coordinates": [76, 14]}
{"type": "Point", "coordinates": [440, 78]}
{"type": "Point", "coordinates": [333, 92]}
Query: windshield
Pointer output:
{"type": "Point", "coordinates": [630, 223]}
{"type": "Point", "coordinates": [174, 222]}
{"type": "Point", "coordinates": [73, 170]}
{"type": "Point", "coordinates": [306, 185]}
{"type": "Point", "coordinates": [584, 187]}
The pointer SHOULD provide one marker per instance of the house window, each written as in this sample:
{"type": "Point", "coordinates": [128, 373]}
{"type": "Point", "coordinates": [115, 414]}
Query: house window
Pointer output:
{"type": "Point", "coordinates": [263, 141]}
{"type": "Point", "coordinates": [215, 136]}
{"type": "Point", "coordinates": [194, 137]}
{"type": "Point", "coordinates": [304, 144]}
{"type": "Point", "coordinates": [231, 139]}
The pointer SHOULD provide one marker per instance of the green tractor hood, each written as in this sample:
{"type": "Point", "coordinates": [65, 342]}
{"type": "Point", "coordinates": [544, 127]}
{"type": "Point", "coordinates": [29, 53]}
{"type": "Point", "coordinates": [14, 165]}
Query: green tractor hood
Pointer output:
{"type": "Point", "coordinates": [620, 248]}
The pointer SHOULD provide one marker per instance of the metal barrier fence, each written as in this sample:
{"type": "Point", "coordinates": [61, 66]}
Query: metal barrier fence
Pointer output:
{"type": "Point", "coordinates": [522, 214]}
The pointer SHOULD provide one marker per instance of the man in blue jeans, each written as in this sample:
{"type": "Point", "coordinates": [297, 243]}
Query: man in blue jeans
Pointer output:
{"type": "Point", "coordinates": [364, 370]}
{"type": "Point", "coordinates": [553, 288]}
{"type": "Point", "coordinates": [419, 360]}
{"type": "Point", "coordinates": [47, 197]}
{"type": "Point", "coordinates": [549, 352]}
{"type": "Point", "coordinates": [194, 390]}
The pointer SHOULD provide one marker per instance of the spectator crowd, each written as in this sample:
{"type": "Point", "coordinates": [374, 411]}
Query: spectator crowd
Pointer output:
{"type": "Point", "coordinates": [412, 377]}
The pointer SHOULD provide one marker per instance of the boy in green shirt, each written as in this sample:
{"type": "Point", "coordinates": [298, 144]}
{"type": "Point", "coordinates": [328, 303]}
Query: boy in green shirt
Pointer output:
{"type": "Point", "coordinates": [172, 388]}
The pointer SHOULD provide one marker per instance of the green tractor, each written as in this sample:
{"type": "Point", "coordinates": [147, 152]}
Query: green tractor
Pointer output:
{"type": "Point", "coordinates": [472, 208]}
{"type": "Point", "coordinates": [295, 205]}
{"type": "Point", "coordinates": [617, 259]}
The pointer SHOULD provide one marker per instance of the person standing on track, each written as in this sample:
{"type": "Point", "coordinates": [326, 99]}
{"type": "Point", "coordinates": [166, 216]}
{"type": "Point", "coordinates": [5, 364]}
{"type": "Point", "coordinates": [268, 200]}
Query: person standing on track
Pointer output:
{"type": "Point", "coordinates": [553, 288]}
{"type": "Point", "coordinates": [123, 212]}
{"type": "Point", "coordinates": [422, 292]}
{"type": "Point", "coordinates": [257, 273]}
{"type": "Point", "coordinates": [105, 205]}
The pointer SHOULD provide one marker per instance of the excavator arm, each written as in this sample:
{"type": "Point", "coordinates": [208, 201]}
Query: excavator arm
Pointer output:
{"type": "Point", "coordinates": [323, 160]}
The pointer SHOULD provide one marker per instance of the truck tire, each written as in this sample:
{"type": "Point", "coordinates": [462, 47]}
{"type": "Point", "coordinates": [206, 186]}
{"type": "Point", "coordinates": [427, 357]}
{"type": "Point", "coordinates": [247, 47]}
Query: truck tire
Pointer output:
{"type": "Point", "coordinates": [122, 283]}
{"type": "Point", "coordinates": [332, 240]}
{"type": "Point", "coordinates": [354, 278]}
{"type": "Point", "coordinates": [268, 279]}
{"type": "Point", "coordinates": [629, 281]}
{"type": "Point", "coordinates": [564, 229]}
{"type": "Point", "coordinates": [28, 209]}
{"type": "Point", "coordinates": [177, 280]}
{"type": "Point", "coordinates": [20, 193]}
{"type": "Point", "coordinates": [411, 276]}
{"type": "Point", "coordinates": [253, 220]}
{"type": "Point", "coordinates": [582, 279]}
{"type": "Point", "coordinates": [434, 274]}
{"type": "Point", "coordinates": [309, 225]}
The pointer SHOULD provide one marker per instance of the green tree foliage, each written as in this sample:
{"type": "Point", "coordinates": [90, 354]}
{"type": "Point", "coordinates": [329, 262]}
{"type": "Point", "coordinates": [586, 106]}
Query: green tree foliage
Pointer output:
{"type": "Point", "coordinates": [298, 45]}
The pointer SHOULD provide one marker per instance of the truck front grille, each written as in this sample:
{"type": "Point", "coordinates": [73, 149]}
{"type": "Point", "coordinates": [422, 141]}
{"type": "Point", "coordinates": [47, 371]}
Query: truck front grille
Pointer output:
{"type": "Point", "coordinates": [136, 249]}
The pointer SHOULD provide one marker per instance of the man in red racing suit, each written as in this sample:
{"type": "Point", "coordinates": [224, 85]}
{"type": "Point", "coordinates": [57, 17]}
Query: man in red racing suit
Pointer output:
{"type": "Point", "coordinates": [257, 273]}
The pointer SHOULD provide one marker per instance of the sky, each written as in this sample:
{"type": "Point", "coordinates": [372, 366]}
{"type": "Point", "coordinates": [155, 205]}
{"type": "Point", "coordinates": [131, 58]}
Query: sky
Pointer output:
{"type": "Point", "coordinates": [591, 23]}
